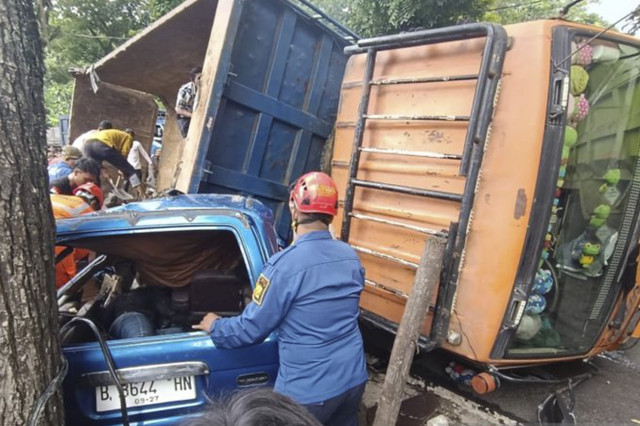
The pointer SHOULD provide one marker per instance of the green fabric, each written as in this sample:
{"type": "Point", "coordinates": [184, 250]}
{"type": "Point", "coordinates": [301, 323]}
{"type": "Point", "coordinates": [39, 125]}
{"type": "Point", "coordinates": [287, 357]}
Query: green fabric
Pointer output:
{"type": "Point", "coordinates": [570, 136]}
{"type": "Point", "coordinates": [602, 211]}
{"type": "Point", "coordinates": [612, 176]}
{"type": "Point", "coordinates": [579, 79]}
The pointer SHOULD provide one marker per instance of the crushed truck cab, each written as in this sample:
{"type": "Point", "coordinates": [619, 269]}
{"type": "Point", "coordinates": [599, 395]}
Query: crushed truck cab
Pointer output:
{"type": "Point", "coordinates": [171, 260]}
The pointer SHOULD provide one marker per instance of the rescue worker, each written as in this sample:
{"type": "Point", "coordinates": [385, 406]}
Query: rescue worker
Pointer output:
{"type": "Point", "coordinates": [310, 294]}
{"type": "Point", "coordinates": [86, 198]}
{"type": "Point", "coordinates": [85, 170]}
{"type": "Point", "coordinates": [113, 146]}
{"type": "Point", "coordinates": [62, 165]}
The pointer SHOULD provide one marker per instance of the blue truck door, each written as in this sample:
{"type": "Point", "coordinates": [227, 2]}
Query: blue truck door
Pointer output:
{"type": "Point", "coordinates": [267, 122]}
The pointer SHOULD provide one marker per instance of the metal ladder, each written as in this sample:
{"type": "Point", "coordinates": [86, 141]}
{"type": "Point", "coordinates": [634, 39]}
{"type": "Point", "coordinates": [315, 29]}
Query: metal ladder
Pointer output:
{"type": "Point", "coordinates": [470, 161]}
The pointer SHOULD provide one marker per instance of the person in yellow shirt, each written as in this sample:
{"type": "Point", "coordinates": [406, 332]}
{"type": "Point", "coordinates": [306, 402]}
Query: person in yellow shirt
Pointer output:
{"type": "Point", "coordinates": [87, 198]}
{"type": "Point", "coordinates": [113, 146]}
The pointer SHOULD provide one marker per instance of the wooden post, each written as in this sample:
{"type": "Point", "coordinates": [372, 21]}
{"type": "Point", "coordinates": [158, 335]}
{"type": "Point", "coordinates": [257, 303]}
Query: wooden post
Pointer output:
{"type": "Point", "coordinates": [405, 344]}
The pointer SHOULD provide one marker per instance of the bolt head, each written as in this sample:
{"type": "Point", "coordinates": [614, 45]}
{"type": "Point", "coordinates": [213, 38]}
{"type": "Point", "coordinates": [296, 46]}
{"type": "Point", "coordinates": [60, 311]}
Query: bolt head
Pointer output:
{"type": "Point", "coordinates": [454, 338]}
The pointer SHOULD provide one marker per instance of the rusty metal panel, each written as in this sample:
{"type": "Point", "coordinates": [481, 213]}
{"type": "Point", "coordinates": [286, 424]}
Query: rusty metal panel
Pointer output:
{"type": "Point", "coordinates": [123, 107]}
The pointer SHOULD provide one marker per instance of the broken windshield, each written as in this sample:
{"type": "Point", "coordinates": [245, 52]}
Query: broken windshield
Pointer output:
{"type": "Point", "coordinates": [591, 230]}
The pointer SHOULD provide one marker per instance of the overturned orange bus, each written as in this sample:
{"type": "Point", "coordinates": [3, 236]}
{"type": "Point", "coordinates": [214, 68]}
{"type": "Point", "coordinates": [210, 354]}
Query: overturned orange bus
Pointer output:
{"type": "Point", "coordinates": [519, 144]}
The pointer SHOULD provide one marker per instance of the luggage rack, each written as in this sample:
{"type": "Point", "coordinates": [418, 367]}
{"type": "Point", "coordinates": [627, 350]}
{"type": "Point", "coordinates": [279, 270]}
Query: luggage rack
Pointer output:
{"type": "Point", "coordinates": [478, 121]}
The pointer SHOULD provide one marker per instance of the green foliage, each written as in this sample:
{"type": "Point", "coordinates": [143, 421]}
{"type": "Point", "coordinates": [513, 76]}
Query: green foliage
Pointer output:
{"type": "Point", "coordinates": [57, 99]}
{"type": "Point", "coordinates": [80, 32]}
{"type": "Point", "coordinates": [514, 11]}
{"type": "Point", "coordinates": [158, 8]}
{"type": "Point", "coordinates": [380, 17]}
{"type": "Point", "coordinates": [377, 17]}
{"type": "Point", "coordinates": [633, 23]}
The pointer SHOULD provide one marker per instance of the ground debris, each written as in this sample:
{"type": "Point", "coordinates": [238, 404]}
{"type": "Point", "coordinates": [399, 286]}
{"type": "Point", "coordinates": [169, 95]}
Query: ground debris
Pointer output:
{"type": "Point", "coordinates": [425, 402]}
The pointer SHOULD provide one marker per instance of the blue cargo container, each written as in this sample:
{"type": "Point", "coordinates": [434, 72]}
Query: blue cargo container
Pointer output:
{"type": "Point", "coordinates": [268, 95]}
{"type": "Point", "coordinates": [275, 108]}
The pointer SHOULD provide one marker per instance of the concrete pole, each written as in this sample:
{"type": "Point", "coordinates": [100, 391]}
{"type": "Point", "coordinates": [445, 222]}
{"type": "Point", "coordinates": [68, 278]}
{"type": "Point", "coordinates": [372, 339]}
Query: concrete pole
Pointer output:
{"type": "Point", "coordinates": [405, 344]}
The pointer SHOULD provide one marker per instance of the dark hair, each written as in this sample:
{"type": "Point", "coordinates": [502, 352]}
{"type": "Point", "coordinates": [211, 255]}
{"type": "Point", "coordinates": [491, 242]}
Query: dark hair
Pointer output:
{"type": "Point", "coordinates": [255, 407]}
{"type": "Point", "coordinates": [130, 131]}
{"type": "Point", "coordinates": [88, 165]}
{"type": "Point", "coordinates": [105, 125]}
{"type": "Point", "coordinates": [316, 217]}
{"type": "Point", "coordinates": [194, 72]}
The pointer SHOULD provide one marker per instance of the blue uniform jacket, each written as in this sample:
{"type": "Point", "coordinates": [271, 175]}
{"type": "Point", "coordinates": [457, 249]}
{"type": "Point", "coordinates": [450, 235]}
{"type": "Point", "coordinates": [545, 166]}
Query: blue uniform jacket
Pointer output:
{"type": "Point", "coordinates": [309, 293]}
{"type": "Point", "coordinates": [59, 170]}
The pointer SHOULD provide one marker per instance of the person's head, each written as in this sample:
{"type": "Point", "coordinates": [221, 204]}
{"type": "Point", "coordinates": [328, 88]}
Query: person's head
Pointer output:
{"type": "Point", "coordinates": [71, 154]}
{"type": "Point", "coordinates": [91, 194]}
{"type": "Point", "coordinates": [313, 200]}
{"type": "Point", "coordinates": [85, 170]}
{"type": "Point", "coordinates": [105, 125]}
{"type": "Point", "coordinates": [195, 72]}
{"type": "Point", "coordinates": [255, 407]}
{"type": "Point", "coordinates": [130, 132]}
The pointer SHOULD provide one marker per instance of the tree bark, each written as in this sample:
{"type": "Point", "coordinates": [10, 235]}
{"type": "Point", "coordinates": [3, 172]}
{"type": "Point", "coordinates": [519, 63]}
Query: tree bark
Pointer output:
{"type": "Point", "coordinates": [29, 344]}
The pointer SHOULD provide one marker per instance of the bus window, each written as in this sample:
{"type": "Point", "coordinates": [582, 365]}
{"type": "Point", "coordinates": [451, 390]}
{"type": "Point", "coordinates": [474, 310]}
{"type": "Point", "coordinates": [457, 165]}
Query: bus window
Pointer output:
{"type": "Point", "coordinates": [589, 236]}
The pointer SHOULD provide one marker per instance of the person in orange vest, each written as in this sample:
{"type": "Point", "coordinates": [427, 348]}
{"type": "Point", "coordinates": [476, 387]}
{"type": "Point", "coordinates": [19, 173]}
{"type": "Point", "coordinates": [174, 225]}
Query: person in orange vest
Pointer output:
{"type": "Point", "coordinates": [86, 198]}
{"type": "Point", "coordinates": [85, 170]}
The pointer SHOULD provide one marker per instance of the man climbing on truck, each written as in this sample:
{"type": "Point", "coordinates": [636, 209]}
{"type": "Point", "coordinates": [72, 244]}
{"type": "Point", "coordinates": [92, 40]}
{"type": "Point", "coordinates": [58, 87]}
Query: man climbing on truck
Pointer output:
{"type": "Point", "coordinates": [113, 146]}
{"type": "Point", "coordinates": [186, 101]}
{"type": "Point", "coordinates": [309, 292]}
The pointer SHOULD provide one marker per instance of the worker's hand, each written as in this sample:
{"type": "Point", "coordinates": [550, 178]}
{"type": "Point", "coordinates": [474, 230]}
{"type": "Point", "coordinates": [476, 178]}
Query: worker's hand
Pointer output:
{"type": "Point", "coordinates": [207, 322]}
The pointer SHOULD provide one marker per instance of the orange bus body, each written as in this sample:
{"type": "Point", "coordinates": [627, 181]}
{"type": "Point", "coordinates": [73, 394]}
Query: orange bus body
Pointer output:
{"type": "Point", "coordinates": [504, 192]}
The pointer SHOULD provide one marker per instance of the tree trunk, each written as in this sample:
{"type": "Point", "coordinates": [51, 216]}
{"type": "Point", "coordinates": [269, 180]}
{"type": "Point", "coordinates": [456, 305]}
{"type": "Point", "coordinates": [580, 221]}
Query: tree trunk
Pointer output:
{"type": "Point", "coordinates": [29, 344]}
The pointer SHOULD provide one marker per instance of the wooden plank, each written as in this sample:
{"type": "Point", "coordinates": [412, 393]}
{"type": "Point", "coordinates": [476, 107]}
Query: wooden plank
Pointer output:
{"type": "Point", "coordinates": [406, 341]}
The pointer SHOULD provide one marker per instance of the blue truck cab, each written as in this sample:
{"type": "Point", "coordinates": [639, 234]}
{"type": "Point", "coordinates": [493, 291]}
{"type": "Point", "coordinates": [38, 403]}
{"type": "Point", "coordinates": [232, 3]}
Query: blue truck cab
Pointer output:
{"type": "Point", "coordinates": [174, 259]}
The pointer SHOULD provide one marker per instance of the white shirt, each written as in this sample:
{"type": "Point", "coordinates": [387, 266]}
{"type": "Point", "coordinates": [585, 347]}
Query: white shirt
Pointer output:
{"type": "Point", "coordinates": [80, 140]}
{"type": "Point", "coordinates": [134, 156]}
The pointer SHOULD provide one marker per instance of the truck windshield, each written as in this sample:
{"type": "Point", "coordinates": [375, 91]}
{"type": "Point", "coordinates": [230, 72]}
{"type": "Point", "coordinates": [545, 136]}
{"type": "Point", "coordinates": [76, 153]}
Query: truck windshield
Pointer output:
{"type": "Point", "coordinates": [590, 235]}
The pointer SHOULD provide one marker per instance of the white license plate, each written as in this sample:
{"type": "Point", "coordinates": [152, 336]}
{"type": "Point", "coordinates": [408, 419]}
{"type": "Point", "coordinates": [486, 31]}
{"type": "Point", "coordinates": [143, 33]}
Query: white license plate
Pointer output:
{"type": "Point", "coordinates": [146, 393]}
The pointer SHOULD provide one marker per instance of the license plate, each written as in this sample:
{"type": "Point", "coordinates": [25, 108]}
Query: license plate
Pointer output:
{"type": "Point", "coordinates": [146, 393]}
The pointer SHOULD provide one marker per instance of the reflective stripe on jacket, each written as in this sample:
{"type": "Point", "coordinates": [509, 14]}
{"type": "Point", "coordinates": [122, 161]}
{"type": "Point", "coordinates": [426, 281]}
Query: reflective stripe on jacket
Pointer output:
{"type": "Point", "coordinates": [67, 206]}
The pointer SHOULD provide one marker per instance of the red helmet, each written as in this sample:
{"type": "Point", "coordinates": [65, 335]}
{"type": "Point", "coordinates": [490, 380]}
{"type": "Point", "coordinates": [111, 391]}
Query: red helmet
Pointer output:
{"type": "Point", "coordinates": [315, 192]}
{"type": "Point", "coordinates": [91, 190]}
